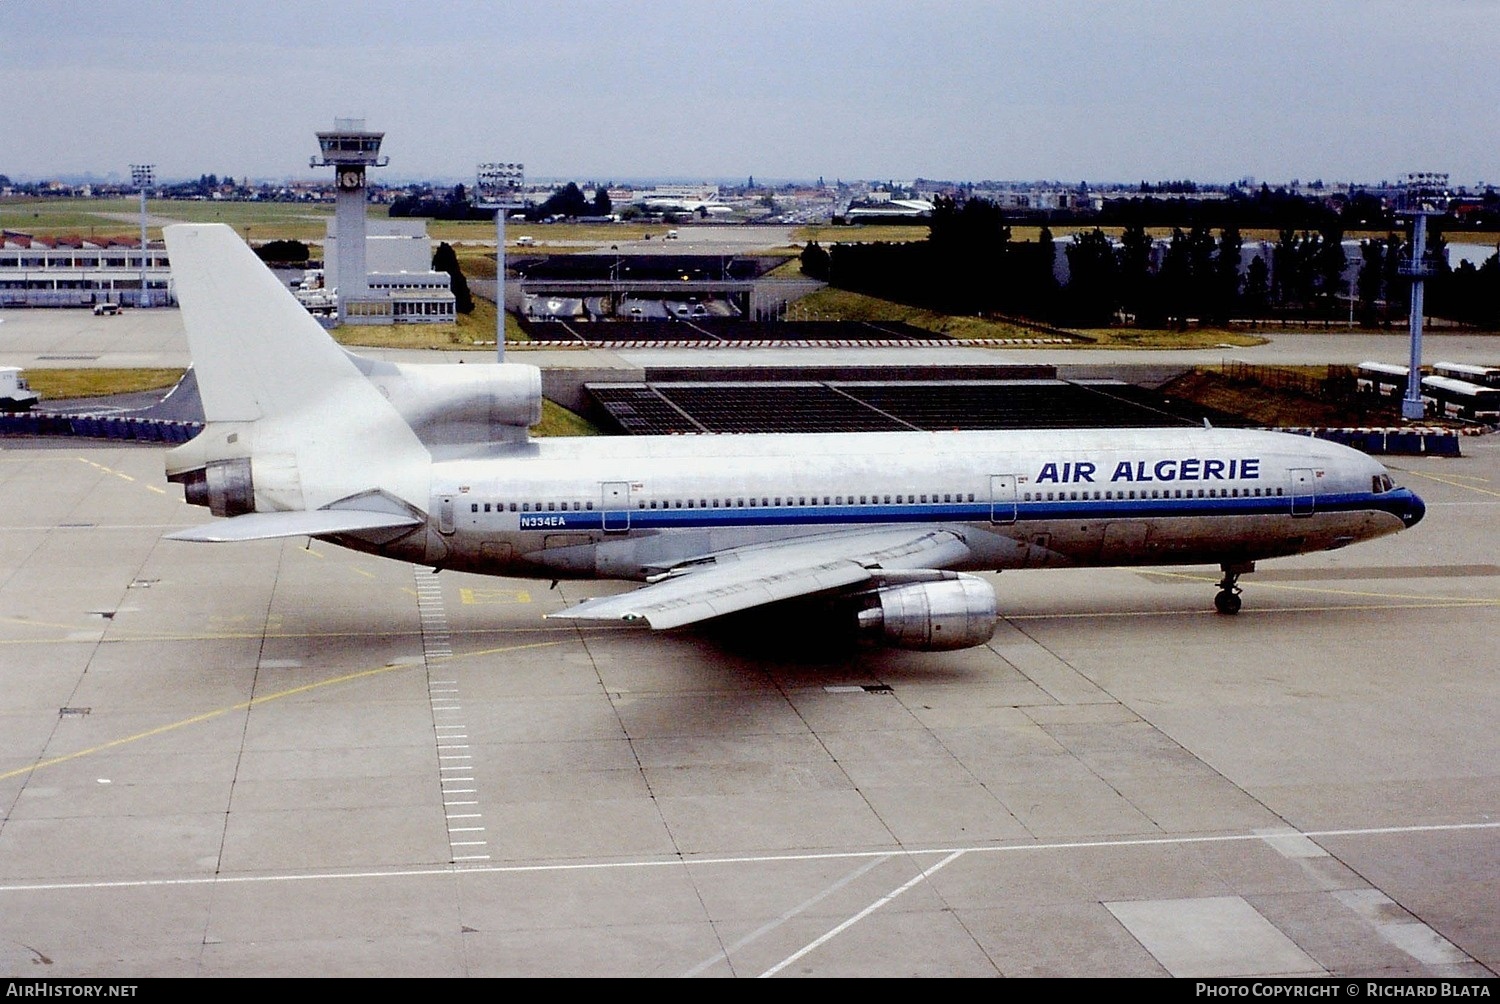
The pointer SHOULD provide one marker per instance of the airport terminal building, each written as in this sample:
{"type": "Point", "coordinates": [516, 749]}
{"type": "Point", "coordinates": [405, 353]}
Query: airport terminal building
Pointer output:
{"type": "Point", "coordinates": [82, 272]}
{"type": "Point", "coordinates": [88, 271]}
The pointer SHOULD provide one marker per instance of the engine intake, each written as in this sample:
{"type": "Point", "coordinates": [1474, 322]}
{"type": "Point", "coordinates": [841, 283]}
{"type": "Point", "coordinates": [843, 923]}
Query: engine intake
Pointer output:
{"type": "Point", "coordinates": [932, 616]}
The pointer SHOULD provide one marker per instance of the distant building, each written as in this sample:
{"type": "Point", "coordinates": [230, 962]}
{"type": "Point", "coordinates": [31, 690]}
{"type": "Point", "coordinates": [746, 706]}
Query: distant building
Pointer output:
{"type": "Point", "coordinates": [80, 271]}
{"type": "Point", "coordinates": [881, 208]}
{"type": "Point", "coordinates": [400, 285]}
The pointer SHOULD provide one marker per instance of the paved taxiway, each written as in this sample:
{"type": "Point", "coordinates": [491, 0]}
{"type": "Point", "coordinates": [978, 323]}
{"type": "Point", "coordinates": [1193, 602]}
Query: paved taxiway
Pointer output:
{"type": "Point", "coordinates": [282, 759]}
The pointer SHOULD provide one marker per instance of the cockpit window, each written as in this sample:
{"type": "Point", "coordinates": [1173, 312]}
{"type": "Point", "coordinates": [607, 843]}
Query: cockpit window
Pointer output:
{"type": "Point", "coordinates": [1381, 483]}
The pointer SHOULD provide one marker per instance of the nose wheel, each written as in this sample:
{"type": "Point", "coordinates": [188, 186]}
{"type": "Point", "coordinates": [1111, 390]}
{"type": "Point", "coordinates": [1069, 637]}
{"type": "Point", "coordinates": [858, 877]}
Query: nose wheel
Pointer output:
{"type": "Point", "coordinates": [1227, 600]}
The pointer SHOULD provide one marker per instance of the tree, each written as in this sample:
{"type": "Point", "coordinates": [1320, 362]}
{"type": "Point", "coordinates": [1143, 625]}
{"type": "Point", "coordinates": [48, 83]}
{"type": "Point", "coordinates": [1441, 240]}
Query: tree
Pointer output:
{"type": "Point", "coordinates": [1328, 266]}
{"type": "Point", "coordinates": [815, 261]}
{"type": "Point", "coordinates": [1176, 278]}
{"type": "Point", "coordinates": [1257, 288]}
{"type": "Point", "coordinates": [1225, 292]}
{"type": "Point", "coordinates": [445, 259]}
{"type": "Point", "coordinates": [1092, 279]}
{"type": "Point", "coordinates": [283, 251]}
{"type": "Point", "coordinates": [1137, 284]}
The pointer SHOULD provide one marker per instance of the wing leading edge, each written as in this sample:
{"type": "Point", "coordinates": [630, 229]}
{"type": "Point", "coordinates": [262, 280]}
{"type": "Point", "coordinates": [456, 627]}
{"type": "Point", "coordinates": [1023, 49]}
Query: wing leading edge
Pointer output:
{"type": "Point", "coordinates": [740, 578]}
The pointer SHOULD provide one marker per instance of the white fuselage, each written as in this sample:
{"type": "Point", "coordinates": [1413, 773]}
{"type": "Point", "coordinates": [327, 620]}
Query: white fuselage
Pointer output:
{"type": "Point", "coordinates": [631, 507]}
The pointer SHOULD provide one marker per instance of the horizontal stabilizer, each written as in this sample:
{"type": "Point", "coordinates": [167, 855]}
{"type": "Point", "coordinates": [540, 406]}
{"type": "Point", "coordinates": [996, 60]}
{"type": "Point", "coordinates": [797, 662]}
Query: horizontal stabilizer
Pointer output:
{"type": "Point", "coordinates": [315, 523]}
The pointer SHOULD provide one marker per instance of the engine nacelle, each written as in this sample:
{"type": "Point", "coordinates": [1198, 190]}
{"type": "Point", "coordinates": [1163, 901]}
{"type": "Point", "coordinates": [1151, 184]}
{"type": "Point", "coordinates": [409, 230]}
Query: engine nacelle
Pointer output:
{"type": "Point", "coordinates": [959, 612]}
{"type": "Point", "coordinates": [447, 404]}
{"type": "Point", "coordinates": [224, 486]}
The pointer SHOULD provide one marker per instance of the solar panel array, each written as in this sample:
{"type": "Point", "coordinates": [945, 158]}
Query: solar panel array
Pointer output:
{"type": "Point", "coordinates": [667, 408]}
{"type": "Point", "coordinates": [710, 329]}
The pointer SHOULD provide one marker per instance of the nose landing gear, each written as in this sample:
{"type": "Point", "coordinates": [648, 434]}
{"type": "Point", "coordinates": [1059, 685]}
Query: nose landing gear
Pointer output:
{"type": "Point", "coordinates": [1227, 600]}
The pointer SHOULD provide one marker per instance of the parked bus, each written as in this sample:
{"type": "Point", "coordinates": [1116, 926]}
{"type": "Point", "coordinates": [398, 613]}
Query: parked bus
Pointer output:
{"type": "Point", "coordinates": [1384, 379]}
{"type": "Point", "coordinates": [1461, 399]}
{"type": "Point", "coordinates": [1485, 376]}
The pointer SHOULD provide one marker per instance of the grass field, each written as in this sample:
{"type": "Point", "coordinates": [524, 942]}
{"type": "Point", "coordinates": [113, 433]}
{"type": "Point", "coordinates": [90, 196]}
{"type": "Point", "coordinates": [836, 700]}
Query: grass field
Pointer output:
{"type": "Point", "coordinates": [259, 221]}
{"type": "Point", "coordinates": [844, 305]}
{"type": "Point", "coordinates": [61, 385]}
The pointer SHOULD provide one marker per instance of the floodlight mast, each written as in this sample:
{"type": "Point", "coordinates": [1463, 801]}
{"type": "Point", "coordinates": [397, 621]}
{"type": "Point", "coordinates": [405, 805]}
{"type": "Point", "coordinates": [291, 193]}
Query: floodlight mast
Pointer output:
{"type": "Point", "coordinates": [1426, 195]}
{"type": "Point", "coordinates": [498, 187]}
{"type": "Point", "coordinates": [143, 176]}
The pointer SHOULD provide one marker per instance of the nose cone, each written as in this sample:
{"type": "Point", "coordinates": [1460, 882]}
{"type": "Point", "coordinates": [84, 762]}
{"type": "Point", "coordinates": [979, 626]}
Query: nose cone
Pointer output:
{"type": "Point", "coordinates": [1410, 508]}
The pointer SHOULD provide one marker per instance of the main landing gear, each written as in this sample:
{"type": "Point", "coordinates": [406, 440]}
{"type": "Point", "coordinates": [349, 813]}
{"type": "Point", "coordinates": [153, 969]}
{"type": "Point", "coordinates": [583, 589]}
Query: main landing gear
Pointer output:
{"type": "Point", "coordinates": [1227, 600]}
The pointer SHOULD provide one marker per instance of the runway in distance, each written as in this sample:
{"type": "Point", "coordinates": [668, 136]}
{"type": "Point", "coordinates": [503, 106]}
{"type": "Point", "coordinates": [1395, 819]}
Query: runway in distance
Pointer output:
{"type": "Point", "coordinates": [432, 464]}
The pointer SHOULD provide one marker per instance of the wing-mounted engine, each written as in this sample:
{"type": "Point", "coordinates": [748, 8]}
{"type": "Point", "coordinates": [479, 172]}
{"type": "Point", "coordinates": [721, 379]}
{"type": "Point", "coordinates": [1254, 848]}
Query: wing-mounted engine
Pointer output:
{"type": "Point", "coordinates": [469, 405]}
{"type": "Point", "coordinates": [956, 611]}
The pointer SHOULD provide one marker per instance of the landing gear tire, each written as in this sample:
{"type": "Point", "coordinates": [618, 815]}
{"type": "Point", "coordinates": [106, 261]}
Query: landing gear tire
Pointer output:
{"type": "Point", "coordinates": [1227, 601]}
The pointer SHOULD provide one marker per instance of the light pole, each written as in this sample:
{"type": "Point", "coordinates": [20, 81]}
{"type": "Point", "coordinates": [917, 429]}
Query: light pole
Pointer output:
{"type": "Point", "coordinates": [143, 176]}
{"type": "Point", "coordinates": [498, 187]}
{"type": "Point", "coordinates": [1426, 195]}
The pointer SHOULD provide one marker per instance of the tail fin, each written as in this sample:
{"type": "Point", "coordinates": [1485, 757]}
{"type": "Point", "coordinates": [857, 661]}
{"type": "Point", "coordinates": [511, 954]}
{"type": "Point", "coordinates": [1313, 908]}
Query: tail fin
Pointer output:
{"type": "Point", "coordinates": [293, 424]}
{"type": "Point", "coordinates": [257, 352]}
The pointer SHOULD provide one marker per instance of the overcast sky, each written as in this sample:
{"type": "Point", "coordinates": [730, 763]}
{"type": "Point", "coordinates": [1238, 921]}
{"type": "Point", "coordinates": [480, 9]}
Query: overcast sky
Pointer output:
{"type": "Point", "coordinates": [780, 89]}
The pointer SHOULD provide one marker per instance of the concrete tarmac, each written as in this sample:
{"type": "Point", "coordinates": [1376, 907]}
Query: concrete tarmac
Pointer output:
{"type": "Point", "coordinates": [286, 759]}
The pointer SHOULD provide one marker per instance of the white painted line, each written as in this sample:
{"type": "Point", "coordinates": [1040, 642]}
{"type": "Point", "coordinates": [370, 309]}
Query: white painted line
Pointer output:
{"type": "Point", "coordinates": [882, 901]}
{"type": "Point", "coordinates": [802, 907]}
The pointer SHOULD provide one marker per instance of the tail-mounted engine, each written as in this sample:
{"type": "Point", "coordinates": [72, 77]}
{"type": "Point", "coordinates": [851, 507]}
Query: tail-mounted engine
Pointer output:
{"type": "Point", "coordinates": [948, 613]}
{"type": "Point", "coordinates": [224, 486]}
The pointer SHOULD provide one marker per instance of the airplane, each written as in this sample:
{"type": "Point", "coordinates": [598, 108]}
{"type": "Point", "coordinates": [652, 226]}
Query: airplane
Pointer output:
{"type": "Point", "coordinates": [880, 533]}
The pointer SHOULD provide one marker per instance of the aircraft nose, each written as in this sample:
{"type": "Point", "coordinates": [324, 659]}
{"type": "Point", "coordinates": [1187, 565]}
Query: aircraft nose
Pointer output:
{"type": "Point", "coordinates": [1412, 509]}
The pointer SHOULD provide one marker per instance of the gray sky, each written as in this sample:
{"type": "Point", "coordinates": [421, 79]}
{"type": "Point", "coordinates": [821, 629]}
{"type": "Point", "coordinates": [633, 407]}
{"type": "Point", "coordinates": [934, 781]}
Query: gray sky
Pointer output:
{"type": "Point", "coordinates": [778, 89]}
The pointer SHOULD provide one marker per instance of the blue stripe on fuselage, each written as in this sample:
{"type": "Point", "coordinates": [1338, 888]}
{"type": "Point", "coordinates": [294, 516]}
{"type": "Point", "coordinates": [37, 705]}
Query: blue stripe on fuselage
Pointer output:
{"type": "Point", "coordinates": [1394, 502]}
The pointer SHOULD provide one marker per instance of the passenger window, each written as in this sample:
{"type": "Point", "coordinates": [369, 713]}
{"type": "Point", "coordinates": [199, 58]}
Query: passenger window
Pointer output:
{"type": "Point", "coordinates": [474, 507]}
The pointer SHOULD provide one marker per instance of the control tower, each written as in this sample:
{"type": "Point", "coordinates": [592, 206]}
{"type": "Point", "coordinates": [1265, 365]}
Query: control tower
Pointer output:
{"type": "Point", "coordinates": [349, 149]}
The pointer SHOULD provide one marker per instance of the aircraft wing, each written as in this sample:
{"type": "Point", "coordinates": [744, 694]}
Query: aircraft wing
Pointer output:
{"type": "Point", "coordinates": [744, 577]}
{"type": "Point", "coordinates": [303, 523]}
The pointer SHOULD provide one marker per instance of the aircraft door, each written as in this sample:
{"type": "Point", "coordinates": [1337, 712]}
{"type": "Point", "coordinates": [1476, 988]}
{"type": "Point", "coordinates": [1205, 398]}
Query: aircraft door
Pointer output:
{"type": "Point", "coordinates": [1304, 490]}
{"type": "Point", "coordinates": [445, 515]}
{"type": "Point", "coordinates": [1002, 498]}
{"type": "Point", "coordinates": [615, 505]}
